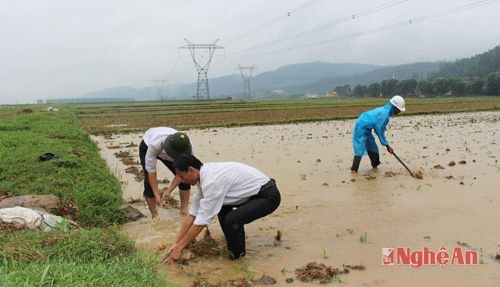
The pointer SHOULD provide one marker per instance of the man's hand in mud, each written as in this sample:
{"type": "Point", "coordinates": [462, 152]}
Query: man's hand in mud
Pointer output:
{"type": "Point", "coordinates": [172, 255]}
{"type": "Point", "coordinates": [164, 199]}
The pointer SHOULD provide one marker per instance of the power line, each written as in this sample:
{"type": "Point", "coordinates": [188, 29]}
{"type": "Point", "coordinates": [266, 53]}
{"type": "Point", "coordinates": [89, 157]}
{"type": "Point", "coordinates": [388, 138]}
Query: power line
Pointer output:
{"type": "Point", "coordinates": [346, 19]}
{"type": "Point", "coordinates": [384, 28]}
{"type": "Point", "coordinates": [272, 21]}
{"type": "Point", "coordinates": [452, 11]}
{"type": "Point", "coordinates": [174, 65]}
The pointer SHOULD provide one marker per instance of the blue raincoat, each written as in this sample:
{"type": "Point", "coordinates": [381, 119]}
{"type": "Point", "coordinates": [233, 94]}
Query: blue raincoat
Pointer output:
{"type": "Point", "coordinates": [376, 119]}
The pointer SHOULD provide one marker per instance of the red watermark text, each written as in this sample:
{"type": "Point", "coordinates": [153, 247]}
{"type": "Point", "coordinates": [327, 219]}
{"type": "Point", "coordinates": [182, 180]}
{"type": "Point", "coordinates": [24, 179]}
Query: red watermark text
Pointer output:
{"type": "Point", "coordinates": [426, 256]}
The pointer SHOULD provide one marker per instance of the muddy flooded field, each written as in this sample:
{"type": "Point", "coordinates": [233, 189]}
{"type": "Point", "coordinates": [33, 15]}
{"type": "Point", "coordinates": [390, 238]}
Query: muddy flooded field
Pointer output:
{"type": "Point", "coordinates": [336, 224]}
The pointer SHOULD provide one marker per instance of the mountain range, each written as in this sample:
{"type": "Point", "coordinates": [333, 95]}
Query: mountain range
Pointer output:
{"type": "Point", "coordinates": [316, 78]}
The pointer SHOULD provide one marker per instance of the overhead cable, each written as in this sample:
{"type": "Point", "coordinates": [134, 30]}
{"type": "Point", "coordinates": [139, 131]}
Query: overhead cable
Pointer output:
{"type": "Point", "coordinates": [382, 28]}
{"type": "Point", "coordinates": [277, 19]}
{"type": "Point", "coordinates": [349, 18]}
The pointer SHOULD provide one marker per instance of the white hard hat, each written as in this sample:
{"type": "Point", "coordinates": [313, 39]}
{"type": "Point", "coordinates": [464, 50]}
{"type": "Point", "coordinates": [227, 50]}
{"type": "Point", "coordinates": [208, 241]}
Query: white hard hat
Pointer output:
{"type": "Point", "coordinates": [398, 102]}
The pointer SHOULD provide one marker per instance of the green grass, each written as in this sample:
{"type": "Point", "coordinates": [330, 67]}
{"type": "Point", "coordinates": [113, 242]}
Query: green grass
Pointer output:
{"type": "Point", "coordinates": [363, 238]}
{"type": "Point", "coordinates": [129, 271]}
{"type": "Point", "coordinates": [246, 269]}
{"type": "Point", "coordinates": [79, 175]}
{"type": "Point", "coordinates": [94, 257]}
{"type": "Point", "coordinates": [83, 245]}
{"type": "Point", "coordinates": [97, 254]}
{"type": "Point", "coordinates": [324, 254]}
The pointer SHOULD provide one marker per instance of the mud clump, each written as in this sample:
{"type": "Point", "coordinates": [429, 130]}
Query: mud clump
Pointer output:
{"type": "Point", "coordinates": [132, 169]}
{"type": "Point", "coordinates": [355, 267]}
{"type": "Point", "coordinates": [172, 202]}
{"type": "Point", "coordinates": [438, 166]}
{"type": "Point", "coordinates": [25, 111]}
{"type": "Point", "coordinates": [4, 226]}
{"type": "Point", "coordinates": [49, 202]}
{"type": "Point", "coordinates": [318, 271]}
{"type": "Point", "coordinates": [131, 144]}
{"type": "Point", "coordinates": [419, 173]}
{"type": "Point", "coordinates": [265, 280]}
{"type": "Point", "coordinates": [125, 158]}
{"type": "Point", "coordinates": [3, 194]}
{"type": "Point", "coordinates": [206, 247]}
{"type": "Point", "coordinates": [389, 174]}
{"type": "Point", "coordinates": [277, 239]}
{"type": "Point", "coordinates": [139, 176]}
{"type": "Point", "coordinates": [240, 282]}
{"type": "Point", "coordinates": [131, 213]}
{"type": "Point", "coordinates": [278, 235]}
{"type": "Point", "coordinates": [113, 146]}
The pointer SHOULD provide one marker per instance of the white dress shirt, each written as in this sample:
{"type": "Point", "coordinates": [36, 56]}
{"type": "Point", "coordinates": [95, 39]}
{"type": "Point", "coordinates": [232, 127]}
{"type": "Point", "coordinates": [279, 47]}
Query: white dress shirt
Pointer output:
{"type": "Point", "coordinates": [154, 139]}
{"type": "Point", "coordinates": [224, 183]}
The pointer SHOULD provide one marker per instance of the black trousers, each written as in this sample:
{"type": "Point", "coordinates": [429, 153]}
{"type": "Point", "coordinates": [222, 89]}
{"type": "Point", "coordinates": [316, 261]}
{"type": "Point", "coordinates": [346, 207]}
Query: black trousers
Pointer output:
{"type": "Point", "coordinates": [233, 218]}
{"type": "Point", "coordinates": [148, 191]}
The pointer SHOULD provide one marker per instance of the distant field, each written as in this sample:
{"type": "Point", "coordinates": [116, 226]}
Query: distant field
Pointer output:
{"type": "Point", "coordinates": [133, 117]}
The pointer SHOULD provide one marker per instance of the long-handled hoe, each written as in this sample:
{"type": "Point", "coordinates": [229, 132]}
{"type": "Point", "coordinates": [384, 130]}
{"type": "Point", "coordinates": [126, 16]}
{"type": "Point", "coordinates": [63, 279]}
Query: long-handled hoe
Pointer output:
{"type": "Point", "coordinates": [415, 175]}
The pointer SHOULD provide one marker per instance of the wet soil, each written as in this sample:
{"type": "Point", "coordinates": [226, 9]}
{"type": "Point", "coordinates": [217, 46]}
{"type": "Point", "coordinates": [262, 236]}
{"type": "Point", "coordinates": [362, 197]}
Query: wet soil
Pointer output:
{"type": "Point", "coordinates": [206, 246]}
{"type": "Point", "coordinates": [240, 282]}
{"type": "Point", "coordinates": [419, 173]}
{"type": "Point", "coordinates": [318, 271]}
{"type": "Point", "coordinates": [324, 223]}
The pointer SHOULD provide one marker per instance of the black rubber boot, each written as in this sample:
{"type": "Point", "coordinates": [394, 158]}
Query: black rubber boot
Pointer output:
{"type": "Point", "coordinates": [374, 158]}
{"type": "Point", "coordinates": [355, 163]}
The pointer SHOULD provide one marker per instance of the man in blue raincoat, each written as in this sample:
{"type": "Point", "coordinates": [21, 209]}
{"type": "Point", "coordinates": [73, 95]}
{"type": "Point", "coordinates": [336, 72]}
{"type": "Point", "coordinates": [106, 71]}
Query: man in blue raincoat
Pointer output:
{"type": "Point", "coordinates": [377, 120]}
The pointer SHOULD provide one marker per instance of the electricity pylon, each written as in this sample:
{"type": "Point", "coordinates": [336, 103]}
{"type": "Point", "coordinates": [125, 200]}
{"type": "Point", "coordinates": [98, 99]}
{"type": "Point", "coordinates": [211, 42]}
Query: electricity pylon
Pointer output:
{"type": "Point", "coordinates": [159, 84]}
{"type": "Point", "coordinates": [246, 75]}
{"type": "Point", "coordinates": [202, 90]}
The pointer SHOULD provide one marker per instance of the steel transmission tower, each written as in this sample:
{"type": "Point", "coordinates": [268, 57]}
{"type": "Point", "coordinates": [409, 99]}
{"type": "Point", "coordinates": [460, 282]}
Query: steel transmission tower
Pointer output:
{"type": "Point", "coordinates": [202, 90]}
{"type": "Point", "coordinates": [159, 85]}
{"type": "Point", "coordinates": [246, 75]}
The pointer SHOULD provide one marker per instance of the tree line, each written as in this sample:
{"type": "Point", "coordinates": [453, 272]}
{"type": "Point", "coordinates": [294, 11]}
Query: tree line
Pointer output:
{"type": "Point", "coordinates": [478, 75]}
{"type": "Point", "coordinates": [440, 86]}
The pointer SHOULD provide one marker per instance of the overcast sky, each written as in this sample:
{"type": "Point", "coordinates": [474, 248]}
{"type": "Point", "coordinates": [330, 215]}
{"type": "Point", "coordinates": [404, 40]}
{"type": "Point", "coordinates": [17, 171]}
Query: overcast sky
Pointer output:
{"type": "Point", "coordinates": [64, 48]}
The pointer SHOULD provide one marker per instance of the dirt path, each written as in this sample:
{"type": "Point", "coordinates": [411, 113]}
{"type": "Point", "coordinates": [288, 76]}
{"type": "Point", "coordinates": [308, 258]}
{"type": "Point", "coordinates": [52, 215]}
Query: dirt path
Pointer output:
{"type": "Point", "coordinates": [326, 213]}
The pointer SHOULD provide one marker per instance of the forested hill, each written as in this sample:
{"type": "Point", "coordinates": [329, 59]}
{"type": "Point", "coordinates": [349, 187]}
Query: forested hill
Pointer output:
{"type": "Point", "coordinates": [478, 66]}
{"type": "Point", "coordinates": [417, 71]}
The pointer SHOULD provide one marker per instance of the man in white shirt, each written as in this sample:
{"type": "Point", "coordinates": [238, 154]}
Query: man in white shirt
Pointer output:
{"type": "Point", "coordinates": [237, 193]}
{"type": "Point", "coordinates": [164, 144]}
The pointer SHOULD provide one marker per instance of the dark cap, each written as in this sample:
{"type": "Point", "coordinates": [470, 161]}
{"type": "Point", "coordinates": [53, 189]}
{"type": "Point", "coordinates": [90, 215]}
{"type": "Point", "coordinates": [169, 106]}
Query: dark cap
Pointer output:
{"type": "Point", "coordinates": [177, 144]}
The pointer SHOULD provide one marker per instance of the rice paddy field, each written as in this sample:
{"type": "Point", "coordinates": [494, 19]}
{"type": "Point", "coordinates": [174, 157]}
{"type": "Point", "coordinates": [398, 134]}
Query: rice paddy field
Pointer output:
{"type": "Point", "coordinates": [327, 215]}
{"type": "Point", "coordinates": [136, 117]}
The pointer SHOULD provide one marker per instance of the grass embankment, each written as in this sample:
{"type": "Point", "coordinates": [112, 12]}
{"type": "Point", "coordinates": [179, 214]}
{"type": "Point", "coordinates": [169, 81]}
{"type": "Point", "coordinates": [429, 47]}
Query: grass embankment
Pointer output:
{"type": "Point", "coordinates": [138, 117]}
{"type": "Point", "coordinates": [96, 254]}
